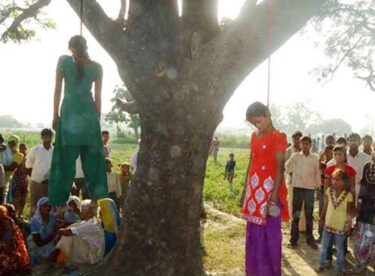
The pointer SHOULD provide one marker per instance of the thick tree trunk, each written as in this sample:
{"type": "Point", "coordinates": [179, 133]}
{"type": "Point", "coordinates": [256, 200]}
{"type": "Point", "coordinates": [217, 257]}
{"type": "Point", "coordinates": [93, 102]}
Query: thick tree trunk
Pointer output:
{"type": "Point", "coordinates": [161, 228]}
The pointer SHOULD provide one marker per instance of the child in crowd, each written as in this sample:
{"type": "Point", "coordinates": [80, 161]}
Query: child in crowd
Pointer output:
{"type": "Point", "coordinates": [336, 218]}
{"type": "Point", "coordinates": [83, 241]}
{"type": "Point", "coordinates": [364, 233]}
{"type": "Point", "coordinates": [324, 159]}
{"type": "Point", "coordinates": [114, 186]}
{"type": "Point", "coordinates": [125, 178]}
{"type": "Point", "coordinates": [229, 168]}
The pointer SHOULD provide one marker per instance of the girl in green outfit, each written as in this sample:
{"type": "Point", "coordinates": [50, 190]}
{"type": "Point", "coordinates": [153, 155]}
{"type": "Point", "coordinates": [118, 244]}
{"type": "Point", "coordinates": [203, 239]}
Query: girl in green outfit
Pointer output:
{"type": "Point", "coordinates": [77, 125]}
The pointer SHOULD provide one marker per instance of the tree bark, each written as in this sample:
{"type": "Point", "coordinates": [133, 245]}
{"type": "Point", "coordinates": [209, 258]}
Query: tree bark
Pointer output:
{"type": "Point", "coordinates": [180, 101]}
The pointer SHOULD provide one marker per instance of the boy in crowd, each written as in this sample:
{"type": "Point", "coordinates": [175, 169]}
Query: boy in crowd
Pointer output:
{"type": "Point", "coordinates": [367, 143]}
{"type": "Point", "coordinates": [5, 153]}
{"type": "Point", "coordinates": [107, 148]}
{"type": "Point", "coordinates": [229, 168]}
{"type": "Point", "coordinates": [305, 170]}
{"type": "Point", "coordinates": [114, 185]}
{"type": "Point", "coordinates": [39, 162]}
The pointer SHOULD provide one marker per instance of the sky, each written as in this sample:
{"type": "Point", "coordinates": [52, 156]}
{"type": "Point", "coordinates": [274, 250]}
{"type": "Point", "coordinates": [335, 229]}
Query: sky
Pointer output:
{"type": "Point", "coordinates": [27, 73]}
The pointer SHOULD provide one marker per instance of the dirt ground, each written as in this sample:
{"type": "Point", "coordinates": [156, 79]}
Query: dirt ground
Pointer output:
{"type": "Point", "coordinates": [225, 246]}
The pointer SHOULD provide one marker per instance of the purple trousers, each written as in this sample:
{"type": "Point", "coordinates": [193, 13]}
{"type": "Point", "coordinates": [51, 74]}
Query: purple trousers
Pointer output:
{"type": "Point", "coordinates": [263, 248]}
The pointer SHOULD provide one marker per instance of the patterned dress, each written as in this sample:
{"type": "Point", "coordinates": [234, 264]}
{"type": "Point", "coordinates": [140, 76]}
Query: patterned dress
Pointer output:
{"type": "Point", "coordinates": [263, 233]}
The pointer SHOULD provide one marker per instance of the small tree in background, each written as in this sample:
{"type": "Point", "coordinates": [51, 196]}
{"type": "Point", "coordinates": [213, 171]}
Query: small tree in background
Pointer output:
{"type": "Point", "coordinates": [119, 117]}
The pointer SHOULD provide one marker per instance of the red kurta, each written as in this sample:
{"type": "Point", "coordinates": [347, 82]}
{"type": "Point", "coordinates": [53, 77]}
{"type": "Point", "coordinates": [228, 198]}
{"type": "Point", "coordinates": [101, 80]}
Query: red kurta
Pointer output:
{"type": "Point", "coordinates": [261, 177]}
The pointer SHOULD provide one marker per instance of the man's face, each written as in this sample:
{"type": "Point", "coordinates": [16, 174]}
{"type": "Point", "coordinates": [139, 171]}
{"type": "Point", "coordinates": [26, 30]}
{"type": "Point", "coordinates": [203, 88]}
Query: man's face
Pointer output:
{"type": "Point", "coordinates": [296, 141]}
{"type": "Point", "coordinates": [105, 138]}
{"type": "Point", "coordinates": [47, 139]}
{"type": "Point", "coordinates": [330, 141]}
{"type": "Point", "coordinates": [261, 122]}
{"type": "Point", "coordinates": [367, 143]}
{"type": "Point", "coordinates": [339, 156]}
{"type": "Point", "coordinates": [354, 143]}
{"type": "Point", "coordinates": [305, 146]}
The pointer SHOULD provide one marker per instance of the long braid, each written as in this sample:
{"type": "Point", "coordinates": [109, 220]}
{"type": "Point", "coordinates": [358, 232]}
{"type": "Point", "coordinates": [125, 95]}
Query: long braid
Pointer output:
{"type": "Point", "coordinates": [78, 44]}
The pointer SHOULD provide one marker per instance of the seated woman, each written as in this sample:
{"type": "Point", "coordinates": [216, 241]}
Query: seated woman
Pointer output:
{"type": "Point", "coordinates": [73, 213]}
{"type": "Point", "coordinates": [14, 259]}
{"type": "Point", "coordinates": [82, 242]}
{"type": "Point", "coordinates": [110, 217]}
{"type": "Point", "coordinates": [43, 229]}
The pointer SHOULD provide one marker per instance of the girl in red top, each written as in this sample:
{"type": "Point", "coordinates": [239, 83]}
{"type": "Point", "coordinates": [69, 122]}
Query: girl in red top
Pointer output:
{"type": "Point", "coordinates": [339, 154]}
{"type": "Point", "coordinates": [264, 196]}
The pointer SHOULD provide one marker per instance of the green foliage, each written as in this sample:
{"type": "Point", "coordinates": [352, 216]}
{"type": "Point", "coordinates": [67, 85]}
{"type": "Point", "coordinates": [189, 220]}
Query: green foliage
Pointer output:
{"type": "Point", "coordinates": [348, 29]}
{"type": "Point", "coordinates": [7, 121]}
{"type": "Point", "coordinates": [119, 117]}
{"type": "Point", "coordinates": [18, 19]}
{"type": "Point", "coordinates": [234, 141]}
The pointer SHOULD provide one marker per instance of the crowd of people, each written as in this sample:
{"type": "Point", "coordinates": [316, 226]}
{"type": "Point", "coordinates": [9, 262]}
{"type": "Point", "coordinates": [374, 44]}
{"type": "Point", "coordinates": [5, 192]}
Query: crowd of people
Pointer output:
{"type": "Point", "coordinates": [342, 176]}
{"type": "Point", "coordinates": [83, 231]}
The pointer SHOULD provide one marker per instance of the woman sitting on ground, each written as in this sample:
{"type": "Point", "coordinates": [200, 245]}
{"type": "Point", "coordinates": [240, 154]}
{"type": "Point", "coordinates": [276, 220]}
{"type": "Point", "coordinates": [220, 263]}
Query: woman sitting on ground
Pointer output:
{"type": "Point", "coordinates": [14, 259]}
{"type": "Point", "coordinates": [43, 228]}
{"type": "Point", "coordinates": [82, 242]}
{"type": "Point", "coordinates": [110, 217]}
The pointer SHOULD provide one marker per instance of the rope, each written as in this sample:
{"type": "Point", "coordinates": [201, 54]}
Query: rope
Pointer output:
{"type": "Point", "coordinates": [81, 17]}
{"type": "Point", "coordinates": [270, 14]}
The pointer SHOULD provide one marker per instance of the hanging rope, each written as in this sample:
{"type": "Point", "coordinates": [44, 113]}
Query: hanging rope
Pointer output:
{"type": "Point", "coordinates": [81, 17]}
{"type": "Point", "coordinates": [270, 14]}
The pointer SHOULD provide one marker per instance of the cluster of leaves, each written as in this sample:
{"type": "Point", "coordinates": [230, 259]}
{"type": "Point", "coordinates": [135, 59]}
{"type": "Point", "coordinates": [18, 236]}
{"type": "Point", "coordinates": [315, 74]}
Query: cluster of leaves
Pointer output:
{"type": "Point", "coordinates": [19, 19]}
{"type": "Point", "coordinates": [348, 29]}
{"type": "Point", "coordinates": [118, 116]}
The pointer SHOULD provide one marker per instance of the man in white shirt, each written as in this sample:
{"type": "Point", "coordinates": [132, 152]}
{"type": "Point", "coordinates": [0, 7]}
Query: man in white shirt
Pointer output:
{"type": "Point", "coordinates": [107, 148]}
{"type": "Point", "coordinates": [114, 185]}
{"type": "Point", "coordinates": [134, 159]}
{"type": "Point", "coordinates": [39, 161]}
{"type": "Point", "coordinates": [304, 167]}
{"type": "Point", "coordinates": [295, 147]}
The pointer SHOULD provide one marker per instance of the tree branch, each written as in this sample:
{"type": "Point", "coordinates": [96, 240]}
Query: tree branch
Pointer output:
{"type": "Point", "coordinates": [106, 31]}
{"type": "Point", "coordinates": [199, 17]}
{"type": "Point", "coordinates": [243, 45]}
{"type": "Point", "coordinates": [122, 12]}
{"type": "Point", "coordinates": [29, 12]}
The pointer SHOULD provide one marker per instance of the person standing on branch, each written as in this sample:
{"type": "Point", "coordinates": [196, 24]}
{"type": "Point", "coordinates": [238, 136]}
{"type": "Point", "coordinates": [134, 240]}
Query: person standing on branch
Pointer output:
{"type": "Point", "coordinates": [263, 200]}
{"type": "Point", "coordinates": [77, 125]}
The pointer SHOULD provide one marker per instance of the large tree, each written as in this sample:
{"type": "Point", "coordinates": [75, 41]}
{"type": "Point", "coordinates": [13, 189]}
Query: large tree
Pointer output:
{"type": "Point", "coordinates": [181, 71]}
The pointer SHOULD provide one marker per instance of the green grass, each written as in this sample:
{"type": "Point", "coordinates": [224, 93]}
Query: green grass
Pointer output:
{"type": "Point", "coordinates": [217, 190]}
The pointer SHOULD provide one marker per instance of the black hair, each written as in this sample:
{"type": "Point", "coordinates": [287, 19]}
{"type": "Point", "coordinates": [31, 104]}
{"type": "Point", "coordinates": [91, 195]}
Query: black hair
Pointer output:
{"type": "Point", "coordinates": [344, 177]}
{"type": "Point", "coordinates": [22, 145]}
{"type": "Point", "coordinates": [339, 149]}
{"type": "Point", "coordinates": [367, 137]}
{"type": "Point", "coordinates": [305, 139]}
{"type": "Point", "coordinates": [355, 136]}
{"type": "Point", "coordinates": [297, 134]}
{"type": "Point", "coordinates": [341, 140]}
{"type": "Point", "coordinates": [256, 109]}
{"type": "Point", "coordinates": [46, 132]}
{"type": "Point", "coordinates": [330, 137]}
{"type": "Point", "coordinates": [231, 154]}
{"type": "Point", "coordinates": [105, 132]}
{"type": "Point", "coordinates": [79, 45]}
{"type": "Point", "coordinates": [330, 147]}
{"type": "Point", "coordinates": [1, 139]}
